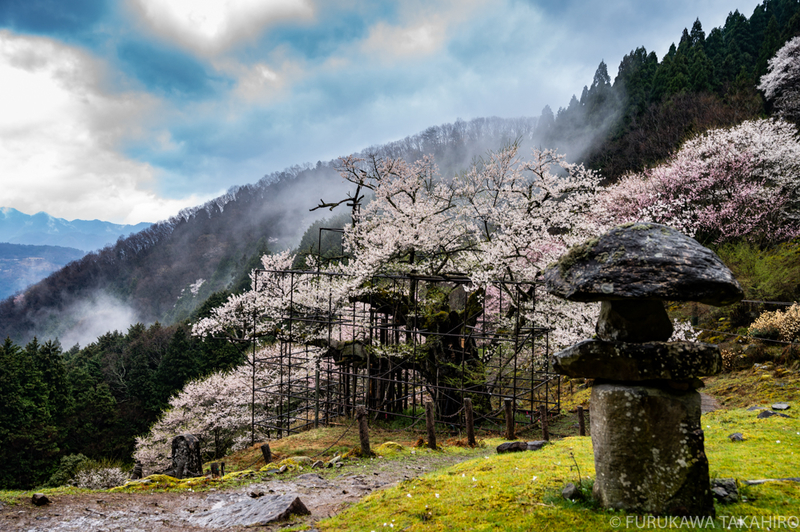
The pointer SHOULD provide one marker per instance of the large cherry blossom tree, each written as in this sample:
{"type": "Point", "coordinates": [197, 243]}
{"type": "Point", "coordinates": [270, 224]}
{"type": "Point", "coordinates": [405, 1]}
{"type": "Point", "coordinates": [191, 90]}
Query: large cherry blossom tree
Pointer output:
{"type": "Point", "coordinates": [741, 182]}
{"type": "Point", "coordinates": [504, 219]}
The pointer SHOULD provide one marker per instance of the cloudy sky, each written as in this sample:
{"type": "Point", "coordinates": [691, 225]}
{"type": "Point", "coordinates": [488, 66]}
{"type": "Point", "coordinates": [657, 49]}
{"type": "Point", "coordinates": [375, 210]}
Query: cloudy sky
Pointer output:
{"type": "Point", "coordinates": [130, 110]}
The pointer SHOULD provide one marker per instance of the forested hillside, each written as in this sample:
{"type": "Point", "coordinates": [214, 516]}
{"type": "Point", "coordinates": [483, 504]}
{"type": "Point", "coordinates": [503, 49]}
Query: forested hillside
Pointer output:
{"type": "Point", "coordinates": [706, 80]}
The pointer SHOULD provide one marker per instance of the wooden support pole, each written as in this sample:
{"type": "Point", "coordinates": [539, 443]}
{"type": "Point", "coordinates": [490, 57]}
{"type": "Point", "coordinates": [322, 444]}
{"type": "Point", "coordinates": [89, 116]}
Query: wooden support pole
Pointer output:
{"type": "Point", "coordinates": [545, 433]}
{"type": "Point", "coordinates": [470, 418]}
{"type": "Point", "coordinates": [267, 453]}
{"type": "Point", "coordinates": [363, 429]}
{"type": "Point", "coordinates": [509, 409]}
{"type": "Point", "coordinates": [581, 422]}
{"type": "Point", "coordinates": [222, 469]}
{"type": "Point", "coordinates": [429, 421]}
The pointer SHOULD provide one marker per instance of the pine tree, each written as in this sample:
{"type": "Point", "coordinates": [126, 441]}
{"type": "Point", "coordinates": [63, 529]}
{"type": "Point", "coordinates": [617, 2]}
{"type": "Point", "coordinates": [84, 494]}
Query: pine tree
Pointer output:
{"type": "Point", "coordinates": [28, 435]}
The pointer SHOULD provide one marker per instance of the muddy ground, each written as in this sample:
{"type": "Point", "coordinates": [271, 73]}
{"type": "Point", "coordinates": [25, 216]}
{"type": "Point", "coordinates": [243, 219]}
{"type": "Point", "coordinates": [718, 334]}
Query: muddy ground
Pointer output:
{"type": "Point", "coordinates": [325, 492]}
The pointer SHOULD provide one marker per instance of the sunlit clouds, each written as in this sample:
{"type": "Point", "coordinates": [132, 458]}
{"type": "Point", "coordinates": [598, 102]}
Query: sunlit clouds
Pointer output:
{"type": "Point", "coordinates": [61, 135]}
{"type": "Point", "coordinates": [130, 111]}
{"type": "Point", "coordinates": [210, 26]}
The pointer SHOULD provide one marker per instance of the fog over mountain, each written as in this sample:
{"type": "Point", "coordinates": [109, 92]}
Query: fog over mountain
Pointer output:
{"type": "Point", "coordinates": [164, 272]}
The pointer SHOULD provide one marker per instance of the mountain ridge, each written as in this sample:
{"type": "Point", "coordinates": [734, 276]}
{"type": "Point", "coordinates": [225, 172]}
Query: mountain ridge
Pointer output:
{"type": "Point", "coordinates": [22, 265]}
{"type": "Point", "coordinates": [43, 229]}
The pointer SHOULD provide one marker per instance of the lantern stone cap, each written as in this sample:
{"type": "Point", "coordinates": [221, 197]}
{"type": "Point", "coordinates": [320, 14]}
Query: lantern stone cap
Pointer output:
{"type": "Point", "coordinates": [642, 261]}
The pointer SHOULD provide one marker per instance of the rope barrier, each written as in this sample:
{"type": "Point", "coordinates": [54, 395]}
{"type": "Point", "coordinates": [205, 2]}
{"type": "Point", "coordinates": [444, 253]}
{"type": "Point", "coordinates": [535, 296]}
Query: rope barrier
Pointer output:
{"type": "Point", "coordinates": [726, 333]}
{"type": "Point", "coordinates": [352, 422]}
{"type": "Point", "coordinates": [768, 302]}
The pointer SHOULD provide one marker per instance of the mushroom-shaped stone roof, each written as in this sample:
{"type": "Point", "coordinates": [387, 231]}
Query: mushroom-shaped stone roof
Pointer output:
{"type": "Point", "coordinates": [643, 261]}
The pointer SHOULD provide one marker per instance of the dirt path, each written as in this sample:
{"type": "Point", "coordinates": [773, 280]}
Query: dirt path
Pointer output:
{"type": "Point", "coordinates": [324, 492]}
{"type": "Point", "coordinates": [708, 403]}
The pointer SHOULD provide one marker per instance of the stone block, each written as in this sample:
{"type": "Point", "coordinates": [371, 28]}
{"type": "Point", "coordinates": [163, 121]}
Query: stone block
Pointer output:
{"type": "Point", "coordinates": [622, 361]}
{"type": "Point", "coordinates": [629, 320]}
{"type": "Point", "coordinates": [643, 261]}
{"type": "Point", "coordinates": [648, 451]}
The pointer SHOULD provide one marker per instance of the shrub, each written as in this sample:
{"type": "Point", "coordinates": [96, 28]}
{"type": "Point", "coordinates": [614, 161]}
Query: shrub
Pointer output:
{"type": "Point", "coordinates": [83, 472]}
{"type": "Point", "coordinates": [778, 325]}
{"type": "Point", "coordinates": [67, 468]}
{"type": "Point", "coordinates": [98, 477]}
{"type": "Point", "coordinates": [766, 274]}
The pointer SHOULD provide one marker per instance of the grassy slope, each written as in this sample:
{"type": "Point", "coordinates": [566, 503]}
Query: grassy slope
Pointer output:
{"type": "Point", "coordinates": [520, 491]}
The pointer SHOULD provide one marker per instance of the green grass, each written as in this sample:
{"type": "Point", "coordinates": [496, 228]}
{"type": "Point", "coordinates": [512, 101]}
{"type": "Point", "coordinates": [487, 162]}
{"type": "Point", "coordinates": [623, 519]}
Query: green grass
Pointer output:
{"type": "Point", "coordinates": [520, 491]}
{"type": "Point", "coordinates": [755, 387]}
{"type": "Point", "coordinates": [15, 496]}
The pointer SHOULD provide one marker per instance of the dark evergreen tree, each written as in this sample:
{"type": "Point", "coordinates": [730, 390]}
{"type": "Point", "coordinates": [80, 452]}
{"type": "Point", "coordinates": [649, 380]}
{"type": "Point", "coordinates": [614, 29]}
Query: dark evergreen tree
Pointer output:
{"type": "Point", "coordinates": [29, 439]}
{"type": "Point", "coordinates": [179, 365]}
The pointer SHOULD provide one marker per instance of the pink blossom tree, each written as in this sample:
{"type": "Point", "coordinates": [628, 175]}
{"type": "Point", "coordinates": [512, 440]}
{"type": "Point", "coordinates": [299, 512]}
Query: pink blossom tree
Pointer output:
{"type": "Point", "coordinates": [218, 409]}
{"type": "Point", "coordinates": [781, 83]}
{"type": "Point", "coordinates": [503, 220]}
{"type": "Point", "coordinates": [736, 183]}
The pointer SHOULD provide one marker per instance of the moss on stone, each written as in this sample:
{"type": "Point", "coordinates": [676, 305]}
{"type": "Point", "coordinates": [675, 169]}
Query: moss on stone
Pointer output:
{"type": "Point", "coordinates": [576, 254]}
{"type": "Point", "coordinates": [641, 227]}
{"type": "Point", "coordinates": [389, 448]}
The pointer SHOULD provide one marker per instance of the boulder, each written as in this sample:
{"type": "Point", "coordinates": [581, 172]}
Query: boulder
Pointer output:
{"type": "Point", "coordinates": [254, 512]}
{"type": "Point", "coordinates": [725, 490]}
{"type": "Point", "coordinates": [648, 451]}
{"type": "Point", "coordinates": [571, 492]}
{"type": "Point", "coordinates": [186, 462]}
{"type": "Point", "coordinates": [512, 447]}
{"type": "Point", "coordinates": [769, 413]}
{"type": "Point", "coordinates": [620, 361]}
{"type": "Point", "coordinates": [40, 499]}
{"type": "Point", "coordinates": [643, 261]}
{"type": "Point", "coordinates": [536, 445]}
{"type": "Point", "coordinates": [736, 436]}
{"type": "Point", "coordinates": [781, 406]}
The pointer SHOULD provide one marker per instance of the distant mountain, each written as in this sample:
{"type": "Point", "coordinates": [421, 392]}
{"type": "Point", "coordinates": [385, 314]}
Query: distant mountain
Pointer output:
{"type": "Point", "coordinates": [22, 266]}
{"type": "Point", "coordinates": [41, 229]}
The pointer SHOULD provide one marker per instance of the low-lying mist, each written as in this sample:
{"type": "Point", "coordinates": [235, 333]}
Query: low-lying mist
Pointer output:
{"type": "Point", "coordinates": [95, 315]}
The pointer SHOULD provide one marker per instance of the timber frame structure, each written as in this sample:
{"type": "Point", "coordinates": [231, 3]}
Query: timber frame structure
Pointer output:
{"type": "Point", "coordinates": [377, 352]}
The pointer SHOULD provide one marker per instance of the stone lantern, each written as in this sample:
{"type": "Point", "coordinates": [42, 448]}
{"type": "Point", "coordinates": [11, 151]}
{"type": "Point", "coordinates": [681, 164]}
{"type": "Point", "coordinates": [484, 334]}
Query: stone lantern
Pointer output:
{"type": "Point", "coordinates": [645, 408]}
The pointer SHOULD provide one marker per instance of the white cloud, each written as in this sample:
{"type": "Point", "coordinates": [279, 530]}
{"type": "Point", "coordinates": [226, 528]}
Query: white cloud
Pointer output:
{"type": "Point", "coordinates": [423, 28]}
{"type": "Point", "coordinates": [265, 81]}
{"type": "Point", "coordinates": [59, 135]}
{"type": "Point", "coordinates": [420, 39]}
{"type": "Point", "coordinates": [209, 26]}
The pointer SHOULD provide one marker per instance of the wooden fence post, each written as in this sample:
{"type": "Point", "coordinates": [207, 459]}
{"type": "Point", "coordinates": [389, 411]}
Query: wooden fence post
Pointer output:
{"type": "Point", "coordinates": [509, 409]}
{"type": "Point", "coordinates": [430, 422]}
{"type": "Point", "coordinates": [545, 433]}
{"type": "Point", "coordinates": [363, 429]}
{"type": "Point", "coordinates": [267, 453]}
{"type": "Point", "coordinates": [470, 418]}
